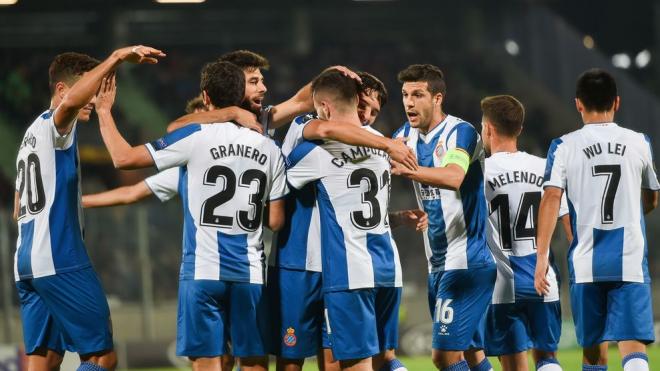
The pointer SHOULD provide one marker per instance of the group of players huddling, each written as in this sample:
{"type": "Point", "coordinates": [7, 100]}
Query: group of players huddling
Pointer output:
{"type": "Point", "coordinates": [333, 283]}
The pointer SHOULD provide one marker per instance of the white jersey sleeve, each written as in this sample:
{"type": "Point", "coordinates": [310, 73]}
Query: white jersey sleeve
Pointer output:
{"type": "Point", "coordinates": [278, 187]}
{"type": "Point", "coordinates": [563, 206]}
{"type": "Point", "coordinates": [175, 148]}
{"type": "Point", "coordinates": [165, 184]}
{"type": "Point", "coordinates": [294, 135]}
{"type": "Point", "coordinates": [555, 170]}
{"type": "Point", "coordinates": [649, 176]}
{"type": "Point", "coordinates": [306, 163]}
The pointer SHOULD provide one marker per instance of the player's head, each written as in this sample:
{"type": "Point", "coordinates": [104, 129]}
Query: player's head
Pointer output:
{"type": "Point", "coordinates": [503, 117]}
{"type": "Point", "coordinates": [64, 71]}
{"type": "Point", "coordinates": [373, 97]}
{"type": "Point", "coordinates": [595, 92]}
{"type": "Point", "coordinates": [423, 91]}
{"type": "Point", "coordinates": [251, 63]}
{"type": "Point", "coordinates": [222, 85]}
{"type": "Point", "coordinates": [334, 94]}
{"type": "Point", "coordinates": [196, 105]}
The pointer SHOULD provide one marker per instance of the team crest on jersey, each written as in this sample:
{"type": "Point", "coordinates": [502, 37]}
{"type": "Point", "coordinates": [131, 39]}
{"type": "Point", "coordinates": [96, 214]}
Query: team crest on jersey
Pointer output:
{"type": "Point", "coordinates": [290, 338]}
{"type": "Point", "coordinates": [440, 149]}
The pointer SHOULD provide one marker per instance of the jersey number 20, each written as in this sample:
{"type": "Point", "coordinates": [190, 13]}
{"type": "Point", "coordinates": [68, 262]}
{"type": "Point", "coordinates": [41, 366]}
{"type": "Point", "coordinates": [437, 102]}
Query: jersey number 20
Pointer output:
{"type": "Point", "coordinates": [29, 173]}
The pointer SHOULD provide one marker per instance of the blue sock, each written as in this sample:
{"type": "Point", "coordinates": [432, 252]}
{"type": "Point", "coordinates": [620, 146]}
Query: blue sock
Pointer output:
{"type": "Point", "coordinates": [89, 366]}
{"type": "Point", "coordinates": [632, 356]}
{"type": "Point", "coordinates": [594, 367]}
{"type": "Point", "coordinates": [393, 365]}
{"type": "Point", "coordinates": [458, 366]}
{"type": "Point", "coordinates": [483, 366]}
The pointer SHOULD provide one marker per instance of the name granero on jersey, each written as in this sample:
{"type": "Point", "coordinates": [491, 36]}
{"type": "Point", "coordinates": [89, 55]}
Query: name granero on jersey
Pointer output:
{"type": "Point", "coordinates": [515, 177]}
{"type": "Point", "coordinates": [356, 155]}
{"type": "Point", "coordinates": [239, 150]}
{"type": "Point", "coordinates": [28, 139]}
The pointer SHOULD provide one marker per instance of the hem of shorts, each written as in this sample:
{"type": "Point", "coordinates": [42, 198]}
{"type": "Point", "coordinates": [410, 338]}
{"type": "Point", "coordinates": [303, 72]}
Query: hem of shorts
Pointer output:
{"type": "Point", "coordinates": [105, 348]}
{"type": "Point", "coordinates": [631, 337]}
{"type": "Point", "coordinates": [193, 354]}
{"type": "Point", "coordinates": [58, 271]}
{"type": "Point", "coordinates": [506, 352]}
{"type": "Point", "coordinates": [224, 279]}
{"type": "Point", "coordinates": [453, 349]}
{"type": "Point", "coordinates": [572, 281]}
{"type": "Point", "coordinates": [374, 286]}
{"type": "Point", "coordinates": [473, 266]}
{"type": "Point", "coordinates": [302, 355]}
{"type": "Point", "coordinates": [290, 267]}
{"type": "Point", "coordinates": [345, 357]}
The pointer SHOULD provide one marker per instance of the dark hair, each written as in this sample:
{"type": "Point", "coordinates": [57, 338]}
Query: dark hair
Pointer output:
{"type": "Point", "coordinates": [426, 73]}
{"type": "Point", "coordinates": [371, 83]}
{"type": "Point", "coordinates": [224, 83]}
{"type": "Point", "coordinates": [596, 89]}
{"type": "Point", "coordinates": [195, 104]}
{"type": "Point", "coordinates": [67, 67]}
{"type": "Point", "coordinates": [505, 112]}
{"type": "Point", "coordinates": [343, 88]}
{"type": "Point", "coordinates": [245, 60]}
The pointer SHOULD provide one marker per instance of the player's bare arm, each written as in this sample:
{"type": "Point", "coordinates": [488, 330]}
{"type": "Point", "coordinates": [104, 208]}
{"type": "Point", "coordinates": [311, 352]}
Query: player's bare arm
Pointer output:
{"type": "Point", "coordinates": [84, 89]}
{"type": "Point", "coordinates": [124, 156]}
{"type": "Point", "coordinates": [649, 200]}
{"type": "Point", "coordinates": [547, 221]}
{"type": "Point", "coordinates": [416, 219]}
{"type": "Point", "coordinates": [449, 177]}
{"type": "Point", "coordinates": [276, 216]}
{"type": "Point", "coordinates": [353, 135]}
{"type": "Point", "coordinates": [118, 196]}
{"type": "Point", "coordinates": [239, 115]}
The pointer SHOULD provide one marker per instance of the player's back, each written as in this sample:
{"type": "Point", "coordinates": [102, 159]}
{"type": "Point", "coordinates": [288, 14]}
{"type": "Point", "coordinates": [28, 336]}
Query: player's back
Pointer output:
{"type": "Point", "coordinates": [604, 168]}
{"type": "Point", "coordinates": [230, 174]}
{"type": "Point", "coordinates": [353, 196]}
{"type": "Point", "coordinates": [49, 216]}
{"type": "Point", "coordinates": [513, 188]}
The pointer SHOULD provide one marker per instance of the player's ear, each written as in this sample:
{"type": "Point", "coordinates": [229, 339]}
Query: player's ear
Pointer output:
{"type": "Point", "coordinates": [206, 99]}
{"type": "Point", "coordinates": [437, 99]}
{"type": "Point", "coordinates": [617, 103]}
{"type": "Point", "coordinates": [578, 105]}
{"type": "Point", "coordinates": [60, 89]}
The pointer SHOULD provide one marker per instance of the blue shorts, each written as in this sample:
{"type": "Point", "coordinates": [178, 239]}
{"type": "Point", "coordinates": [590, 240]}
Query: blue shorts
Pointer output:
{"type": "Point", "coordinates": [65, 312]}
{"type": "Point", "coordinates": [612, 311]}
{"type": "Point", "coordinates": [362, 322]}
{"type": "Point", "coordinates": [458, 300]}
{"type": "Point", "coordinates": [206, 310]}
{"type": "Point", "coordinates": [297, 313]}
{"type": "Point", "coordinates": [517, 327]}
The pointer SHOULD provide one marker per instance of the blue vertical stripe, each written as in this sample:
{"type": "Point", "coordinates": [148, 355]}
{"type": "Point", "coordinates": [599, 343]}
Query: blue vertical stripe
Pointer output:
{"type": "Point", "coordinates": [607, 259]}
{"type": "Point", "coordinates": [24, 258]}
{"type": "Point", "coordinates": [523, 277]}
{"type": "Point", "coordinates": [550, 161]}
{"type": "Point", "coordinates": [382, 259]}
{"type": "Point", "coordinates": [333, 247]}
{"type": "Point", "coordinates": [189, 229]}
{"type": "Point", "coordinates": [234, 263]}
{"type": "Point", "coordinates": [292, 239]}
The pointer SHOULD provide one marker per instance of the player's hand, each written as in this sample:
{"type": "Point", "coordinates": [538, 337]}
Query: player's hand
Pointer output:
{"type": "Point", "coordinates": [139, 54]}
{"type": "Point", "coordinates": [541, 283]}
{"type": "Point", "coordinates": [400, 153]}
{"type": "Point", "coordinates": [247, 119]}
{"type": "Point", "coordinates": [105, 97]}
{"type": "Point", "coordinates": [416, 219]}
{"type": "Point", "coordinates": [399, 169]}
{"type": "Point", "coordinates": [346, 72]}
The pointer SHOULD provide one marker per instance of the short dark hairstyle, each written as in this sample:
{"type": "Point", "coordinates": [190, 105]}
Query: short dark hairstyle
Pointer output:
{"type": "Point", "coordinates": [344, 89]}
{"type": "Point", "coordinates": [427, 73]}
{"type": "Point", "coordinates": [505, 112]}
{"type": "Point", "coordinates": [596, 89]}
{"type": "Point", "coordinates": [195, 104]}
{"type": "Point", "coordinates": [245, 60]}
{"type": "Point", "coordinates": [224, 83]}
{"type": "Point", "coordinates": [68, 67]}
{"type": "Point", "coordinates": [371, 83]}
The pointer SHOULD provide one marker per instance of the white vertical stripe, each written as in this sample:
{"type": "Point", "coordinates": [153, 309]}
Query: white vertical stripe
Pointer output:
{"type": "Point", "coordinates": [313, 260]}
{"type": "Point", "coordinates": [255, 256]}
{"type": "Point", "coordinates": [207, 255]}
{"type": "Point", "coordinates": [583, 254]}
{"type": "Point", "coordinates": [633, 256]}
{"type": "Point", "coordinates": [455, 230]}
{"type": "Point", "coordinates": [358, 261]}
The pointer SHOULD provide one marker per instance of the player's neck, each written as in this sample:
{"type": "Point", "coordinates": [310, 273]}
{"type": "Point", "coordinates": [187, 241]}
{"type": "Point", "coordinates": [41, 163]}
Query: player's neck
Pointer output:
{"type": "Point", "coordinates": [349, 117]}
{"type": "Point", "coordinates": [438, 118]}
{"type": "Point", "coordinates": [503, 145]}
{"type": "Point", "coordinates": [54, 102]}
{"type": "Point", "coordinates": [597, 117]}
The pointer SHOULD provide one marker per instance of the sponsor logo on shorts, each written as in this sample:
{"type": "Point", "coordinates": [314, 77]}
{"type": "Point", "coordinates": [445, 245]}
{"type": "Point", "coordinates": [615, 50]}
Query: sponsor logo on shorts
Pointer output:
{"type": "Point", "coordinates": [290, 338]}
{"type": "Point", "coordinates": [443, 330]}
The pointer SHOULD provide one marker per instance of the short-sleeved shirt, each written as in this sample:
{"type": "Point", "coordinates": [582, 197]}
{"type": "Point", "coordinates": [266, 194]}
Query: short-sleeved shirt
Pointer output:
{"type": "Point", "coordinates": [165, 184]}
{"type": "Point", "coordinates": [227, 175]}
{"type": "Point", "coordinates": [602, 168]}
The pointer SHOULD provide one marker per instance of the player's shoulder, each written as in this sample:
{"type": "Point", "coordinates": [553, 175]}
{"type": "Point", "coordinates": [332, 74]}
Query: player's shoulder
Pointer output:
{"type": "Point", "coordinates": [403, 131]}
{"type": "Point", "coordinates": [373, 131]}
{"type": "Point", "coordinates": [304, 119]}
{"type": "Point", "coordinates": [38, 131]}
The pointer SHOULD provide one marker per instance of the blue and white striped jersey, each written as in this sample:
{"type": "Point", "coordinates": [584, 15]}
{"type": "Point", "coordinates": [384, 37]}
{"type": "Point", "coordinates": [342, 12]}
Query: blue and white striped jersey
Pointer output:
{"type": "Point", "coordinates": [226, 175]}
{"type": "Point", "coordinates": [602, 168]}
{"type": "Point", "coordinates": [353, 187]}
{"type": "Point", "coordinates": [299, 241]}
{"type": "Point", "coordinates": [50, 232]}
{"type": "Point", "coordinates": [514, 187]}
{"type": "Point", "coordinates": [455, 238]}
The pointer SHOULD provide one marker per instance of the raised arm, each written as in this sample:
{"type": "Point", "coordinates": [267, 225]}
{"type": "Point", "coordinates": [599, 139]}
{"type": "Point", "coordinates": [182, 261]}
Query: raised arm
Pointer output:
{"type": "Point", "coordinates": [239, 115]}
{"type": "Point", "coordinates": [649, 200]}
{"type": "Point", "coordinates": [84, 89]}
{"type": "Point", "coordinates": [356, 136]}
{"type": "Point", "coordinates": [548, 211]}
{"type": "Point", "coordinates": [118, 196]}
{"type": "Point", "coordinates": [124, 156]}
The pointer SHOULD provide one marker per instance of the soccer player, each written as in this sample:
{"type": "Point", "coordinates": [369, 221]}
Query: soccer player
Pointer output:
{"type": "Point", "coordinates": [608, 176]}
{"type": "Point", "coordinates": [361, 271]}
{"type": "Point", "coordinates": [227, 176]}
{"type": "Point", "coordinates": [449, 185]}
{"type": "Point", "coordinates": [63, 306]}
{"type": "Point", "coordinates": [518, 316]}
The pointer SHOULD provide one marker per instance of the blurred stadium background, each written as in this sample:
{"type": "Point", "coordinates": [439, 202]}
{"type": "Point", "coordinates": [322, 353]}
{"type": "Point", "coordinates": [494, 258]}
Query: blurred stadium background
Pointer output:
{"type": "Point", "coordinates": [531, 49]}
